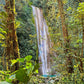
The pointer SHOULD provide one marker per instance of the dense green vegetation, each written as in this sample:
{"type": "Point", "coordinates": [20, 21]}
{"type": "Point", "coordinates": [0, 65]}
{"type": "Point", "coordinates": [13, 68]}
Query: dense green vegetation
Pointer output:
{"type": "Point", "coordinates": [26, 33]}
{"type": "Point", "coordinates": [65, 20]}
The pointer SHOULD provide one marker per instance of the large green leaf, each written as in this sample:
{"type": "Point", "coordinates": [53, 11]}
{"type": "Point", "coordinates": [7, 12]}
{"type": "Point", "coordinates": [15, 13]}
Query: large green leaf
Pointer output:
{"type": "Point", "coordinates": [13, 62]}
{"type": "Point", "coordinates": [21, 60]}
{"type": "Point", "coordinates": [28, 58]}
{"type": "Point", "coordinates": [21, 75]}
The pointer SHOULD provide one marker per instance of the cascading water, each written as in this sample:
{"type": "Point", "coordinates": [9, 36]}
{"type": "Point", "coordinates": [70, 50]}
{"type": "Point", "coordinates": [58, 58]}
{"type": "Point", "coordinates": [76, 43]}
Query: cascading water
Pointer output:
{"type": "Point", "coordinates": [43, 41]}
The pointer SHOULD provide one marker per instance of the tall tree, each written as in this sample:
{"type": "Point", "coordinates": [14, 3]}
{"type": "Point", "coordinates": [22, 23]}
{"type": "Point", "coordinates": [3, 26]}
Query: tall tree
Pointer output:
{"type": "Point", "coordinates": [82, 53]}
{"type": "Point", "coordinates": [12, 50]}
{"type": "Point", "coordinates": [81, 19]}
{"type": "Point", "coordinates": [65, 35]}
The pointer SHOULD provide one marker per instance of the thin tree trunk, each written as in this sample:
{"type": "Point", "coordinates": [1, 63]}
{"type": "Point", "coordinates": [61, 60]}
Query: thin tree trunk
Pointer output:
{"type": "Point", "coordinates": [82, 53]}
{"type": "Point", "coordinates": [65, 35]}
{"type": "Point", "coordinates": [12, 50]}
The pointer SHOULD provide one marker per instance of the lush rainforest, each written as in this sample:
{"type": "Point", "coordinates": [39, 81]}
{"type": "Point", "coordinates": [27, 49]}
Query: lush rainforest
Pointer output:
{"type": "Point", "coordinates": [41, 41]}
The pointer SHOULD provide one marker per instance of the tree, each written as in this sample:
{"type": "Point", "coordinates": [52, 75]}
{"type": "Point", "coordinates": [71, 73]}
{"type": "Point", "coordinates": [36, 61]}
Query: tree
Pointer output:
{"type": "Point", "coordinates": [81, 17]}
{"type": "Point", "coordinates": [12, 50]}
{"type": "Point", "coordinates": [66, 39]}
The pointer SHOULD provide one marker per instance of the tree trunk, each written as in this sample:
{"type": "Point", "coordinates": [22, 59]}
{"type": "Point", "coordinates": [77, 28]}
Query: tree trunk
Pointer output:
{"type": "Point", "coordinates": [82, 53]}
{"type": "Point", "coordinates": [65, 35]}
{"type": "Point", "coordinates": [12, 50]}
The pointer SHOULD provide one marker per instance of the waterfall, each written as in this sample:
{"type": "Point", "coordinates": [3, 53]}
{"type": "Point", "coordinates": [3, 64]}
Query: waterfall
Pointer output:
{"type": "Point", "coordinates": [43, 41]}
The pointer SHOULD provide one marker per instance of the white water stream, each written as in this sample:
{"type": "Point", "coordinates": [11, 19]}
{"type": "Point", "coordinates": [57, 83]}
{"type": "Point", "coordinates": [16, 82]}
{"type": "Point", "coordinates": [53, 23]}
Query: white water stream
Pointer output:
{"type": "Point", "coordinates": [43, 41]}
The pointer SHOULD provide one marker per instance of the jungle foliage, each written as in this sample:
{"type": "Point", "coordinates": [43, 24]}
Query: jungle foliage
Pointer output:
{"type": "Point", "coordinates": [74, 21]}
{"type": "Point", "coordinates": [26, 32]}
{"type": "Point", "coordinates": [66, 30]}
